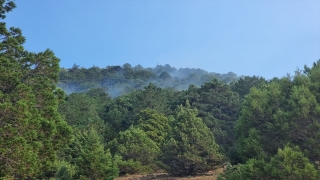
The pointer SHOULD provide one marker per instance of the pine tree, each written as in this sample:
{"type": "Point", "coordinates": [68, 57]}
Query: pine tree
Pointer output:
{"type": "Point", "coordinates": [134, 146]}
{"type": "Point", "coordinates": [154, 124]}
{"type": "Point", "coordinates": [191, 148]}
{"type": "Point", "coordinates": [31, 129]}
{"type": "Point", "coordinates": [93, 161]}
{"type": "Point", "coordinates": [290, 163]}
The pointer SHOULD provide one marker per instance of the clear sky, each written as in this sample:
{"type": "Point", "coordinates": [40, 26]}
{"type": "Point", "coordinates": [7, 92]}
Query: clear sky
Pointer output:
{"type": "Point", "coordinates": [268, 38]}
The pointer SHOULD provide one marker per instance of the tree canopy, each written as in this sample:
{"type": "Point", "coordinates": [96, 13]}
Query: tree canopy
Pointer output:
{"type": "Point", "coordinates": [32, 130]}
{"type": "Point", "coordinates": [122, 120]}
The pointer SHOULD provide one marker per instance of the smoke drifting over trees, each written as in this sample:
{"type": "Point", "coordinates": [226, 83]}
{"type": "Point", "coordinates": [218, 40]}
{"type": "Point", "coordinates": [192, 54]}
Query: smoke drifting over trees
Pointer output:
{"type": "Point", "coordinates": [122, 120]}
{"type": "Point", "coordinates": [118, 80]}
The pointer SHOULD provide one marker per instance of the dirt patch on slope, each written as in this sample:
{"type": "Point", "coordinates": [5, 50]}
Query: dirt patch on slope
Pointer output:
{"type": "Point", "coordinates": [211, 175]}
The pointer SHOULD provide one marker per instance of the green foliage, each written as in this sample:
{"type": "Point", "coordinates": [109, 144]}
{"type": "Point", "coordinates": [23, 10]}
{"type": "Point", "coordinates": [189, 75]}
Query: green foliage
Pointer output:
{"type": "Point", "coordinates": [65, 170]}
{"type": "Point", "coordinates": [63, 173]}
{"type": "Point", "coordinates": [277, 130]}
{"type": "Point", "coordinates": [82, 112]}
{"type": "Point", "coordinates": [263, 122]}
{"type": "Point", "coordinates": [288, 163]}
{"type": "Point", "coordinates": [6, 6]}
{"type": "Point", "coordinates": [133, 167]}
{"type": "Point", "coordinates": [285, 110]}
{"type": "Point", "coordinates": [191, 147]}
{"type": "Point", "coordinates": [134, 146]}
{"type": "Point", "coordinates": [31, 129]}
{"type": "Point", "coordinates": [120, 80]}
{"type": "Point", "coordinates": [100, 97]}
{"type": "Point", "coordinates": [89, 157]}
{"type": "Point", "coordinates": [165, 76]}
{"type": "Point", "coordinates": [251, 145]}
{"type": "Point", "coordinates": [218, 107]}
{"type": "Point", "coordinates": [244, 84]}
{"type": "Point", "coordinates": [121, 112]}
{"type": "Point", "coordinates": [152, 97]}
{"type": "Point", "coordinates": [155, 125]}
{"type": "Point", "coordinates": [253, 169]}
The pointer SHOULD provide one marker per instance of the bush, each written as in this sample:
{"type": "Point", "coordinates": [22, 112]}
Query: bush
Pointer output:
{"type": "Point", "coordinates": [132, 167]}
{"type": "Point", "coordinates": [288, 163]}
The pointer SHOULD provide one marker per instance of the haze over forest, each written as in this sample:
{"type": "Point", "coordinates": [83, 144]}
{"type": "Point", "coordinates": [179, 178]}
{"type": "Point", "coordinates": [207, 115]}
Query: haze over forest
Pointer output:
{"type": "Point", "coordinates": [261, 38]}
{"type": "Point", "coordinates": [115, 121]}
{"type": "Point", "coordinates": [119, 80]}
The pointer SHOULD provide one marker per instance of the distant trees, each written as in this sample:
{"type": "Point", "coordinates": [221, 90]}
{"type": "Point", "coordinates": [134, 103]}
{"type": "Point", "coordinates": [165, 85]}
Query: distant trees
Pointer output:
{"type": "Point", "coordinates": [165, 76]}
{"type": "Point", "coordinates": [244, 84]}
{"type": "Point", "coordinates": [262, 129]}
{"type": "Point", "coordinates": [272, 128]}
{"type": "Point", "coordinates": [121, 112]}
{"type": "Point", "coordinates": [119, 80]}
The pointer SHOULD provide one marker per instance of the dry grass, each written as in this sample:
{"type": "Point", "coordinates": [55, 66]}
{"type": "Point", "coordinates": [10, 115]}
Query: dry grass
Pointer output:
{"type": "Point", "coordinates": [211, 175]}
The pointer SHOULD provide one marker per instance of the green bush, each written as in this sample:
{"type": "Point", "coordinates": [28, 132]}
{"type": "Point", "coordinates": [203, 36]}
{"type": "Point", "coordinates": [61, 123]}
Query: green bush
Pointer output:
{"type": "Point", "coordinates": [288, 163]}
{"type": "Point", "coordinates": [132, 167]}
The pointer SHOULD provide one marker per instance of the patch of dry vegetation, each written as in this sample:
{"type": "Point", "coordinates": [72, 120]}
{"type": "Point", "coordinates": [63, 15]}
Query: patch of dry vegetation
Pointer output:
{"type": "Point", "coordinates": [211, 175]}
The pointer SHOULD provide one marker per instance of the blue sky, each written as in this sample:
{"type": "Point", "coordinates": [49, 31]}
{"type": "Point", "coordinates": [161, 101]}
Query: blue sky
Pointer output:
{"type": "Point", "coordinates": [268, 38]}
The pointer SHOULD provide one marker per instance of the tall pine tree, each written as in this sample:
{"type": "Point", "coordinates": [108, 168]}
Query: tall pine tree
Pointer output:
{"type": "Point", "coordinates": [31, 129]}
{"type": "Point", "coordinates": [191, 147]}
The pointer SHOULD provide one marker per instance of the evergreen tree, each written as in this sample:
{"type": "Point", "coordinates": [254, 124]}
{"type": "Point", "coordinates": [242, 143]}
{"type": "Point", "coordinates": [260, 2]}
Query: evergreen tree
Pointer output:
{"type": "Point", "coordinates": [134, 146]}
{"type": "Point", "coordinates": [31, 129]}
{"type": "Point", "coordinates": [218, 107]}
{"type": "Point", "coordinates": [288, 163]}
{"type": "Point", "coordinates": [191, 147]}
{"type": "Point", "coordinates": [82, 112]}
{"type": "Point", "coordinates": [285, 110]}
{"type": "Point", "coordinates": [154, 124]}
{"type": "Point", "coordinates": [152, 97]}
{"type": "Point", "coordinates": [263, 123]}
{"type": "Point", "coordinates": [244, 84]}
{"type": "Point", "coordinates": [93, 161]}
{"type": "Point", "coordinates": [87, 153]}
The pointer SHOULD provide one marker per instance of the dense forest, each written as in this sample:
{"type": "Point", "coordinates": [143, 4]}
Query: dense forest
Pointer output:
{"type": "Point", "coordinates": [101, 123]}
{"type": "Point", "coordinates": [120, 80]}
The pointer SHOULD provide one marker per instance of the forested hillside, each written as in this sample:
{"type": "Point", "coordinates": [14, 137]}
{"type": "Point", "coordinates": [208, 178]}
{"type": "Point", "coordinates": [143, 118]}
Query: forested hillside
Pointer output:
{"type": "Point", "coordinates": [126, 120]}
{"type": "Point", "coordinates": [119, 80]}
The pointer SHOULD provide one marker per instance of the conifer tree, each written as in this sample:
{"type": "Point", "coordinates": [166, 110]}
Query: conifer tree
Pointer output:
{"type": "Point", "coordinates": [92, 160]}
{"type": "Point", "coordinates": [134, 146]}
{"type": "Point", "coordinates": [31, 129]}
{"type": "Point", "coordinates": [154, 124]}
{"type": "Point", "coordinates": [191, 147]}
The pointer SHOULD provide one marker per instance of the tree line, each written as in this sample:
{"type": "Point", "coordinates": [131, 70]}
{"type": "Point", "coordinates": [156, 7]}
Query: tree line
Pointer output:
{"type": "Point", "coordinates": [119, 80]}
{"type": "Point", "coordinates": [256, 128]}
